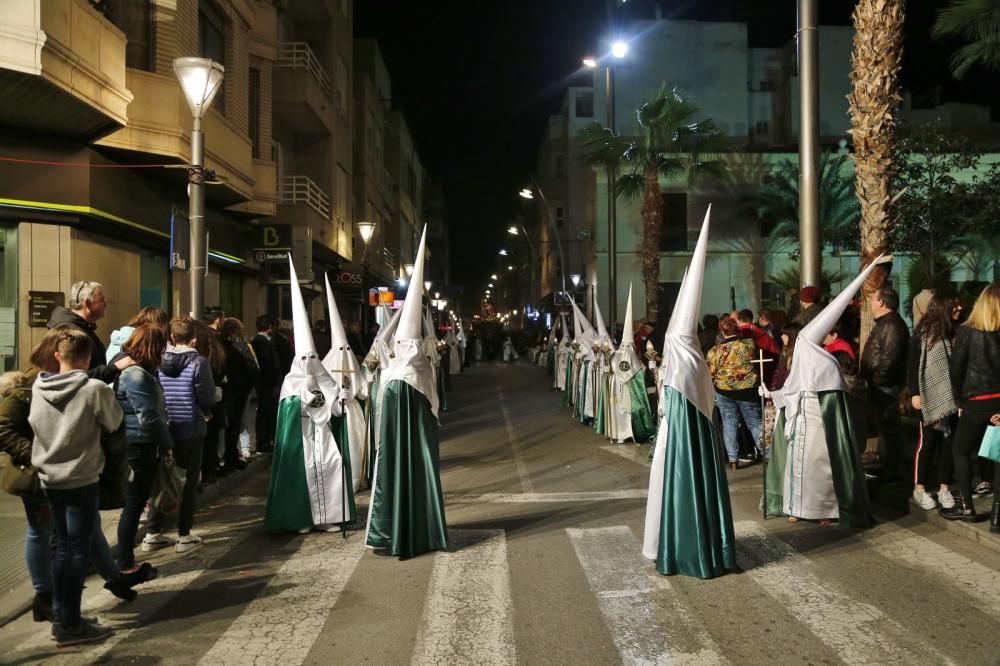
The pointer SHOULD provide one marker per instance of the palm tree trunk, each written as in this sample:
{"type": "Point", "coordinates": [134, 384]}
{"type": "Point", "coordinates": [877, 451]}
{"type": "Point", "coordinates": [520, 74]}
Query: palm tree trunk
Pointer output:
{"type": "Point", "coordinates": [652, 226]}
{"type": "Point", "coordinates": [874, 98]}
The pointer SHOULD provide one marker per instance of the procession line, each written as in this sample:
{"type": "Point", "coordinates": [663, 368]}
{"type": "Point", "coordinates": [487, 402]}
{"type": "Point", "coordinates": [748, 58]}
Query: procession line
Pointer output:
{"type": "Point", "coordinates": [628, 591]}
{"type": "Point", "coordinates": [967, 576]}
{"type": "Point", "coordinates": [858, 632]}
{"type": "Point", "coordinates": [468, 614]}
{"type": "Point", "coordinates": [522, 470]}
{"type": "Point", "coordinates": [281, 624]}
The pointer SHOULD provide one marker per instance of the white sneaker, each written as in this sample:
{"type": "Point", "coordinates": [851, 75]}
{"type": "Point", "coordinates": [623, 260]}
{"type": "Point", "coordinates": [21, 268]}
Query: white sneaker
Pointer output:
{"type": "Point", "coordinates": [924, 500]}
{"type": "Point", "coordinates": [187, 542]}
{"type": "Point", "coordinates": [154, 541]}
{"type": "Point", "coordinates": [329, 527]}
{"type": "Point", "coordinates": [946, 499]}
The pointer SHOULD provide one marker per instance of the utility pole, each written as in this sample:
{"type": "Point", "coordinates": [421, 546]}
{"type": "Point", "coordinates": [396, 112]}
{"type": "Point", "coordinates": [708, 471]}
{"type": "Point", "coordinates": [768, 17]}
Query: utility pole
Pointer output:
{"type": "Point", "coordinates": [612, 212]}
{"type": "Point", "coordinates": [810, 260]}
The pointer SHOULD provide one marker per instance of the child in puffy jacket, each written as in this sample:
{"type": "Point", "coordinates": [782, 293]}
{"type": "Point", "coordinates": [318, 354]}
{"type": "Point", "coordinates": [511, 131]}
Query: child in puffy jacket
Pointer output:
{"type": "Point", "coordinates": [190, 392]}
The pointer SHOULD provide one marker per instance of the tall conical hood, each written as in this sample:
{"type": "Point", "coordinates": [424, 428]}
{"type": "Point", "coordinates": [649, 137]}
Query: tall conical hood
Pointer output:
{"type": "Point", "coordinates": [340, 361]}
{"type": "Point", "coordinates": [410, 322]}
{"type": "Point", "coordinates": [552, 333]}
{"type": "Point", "coordinates": [813, 368]}
{"type": "Point", "coordinates": [824, 322]}
{"type": "Point", "coordinates": [304, 344]}
{"type": "Point", "coordinates": [628, 335]}
{"type": "Point", "coordinates": [388, 332]}
{"type": "Point", "coordinates": [684, 368]}
{"type": "Point", "coordinates": [684, 320]}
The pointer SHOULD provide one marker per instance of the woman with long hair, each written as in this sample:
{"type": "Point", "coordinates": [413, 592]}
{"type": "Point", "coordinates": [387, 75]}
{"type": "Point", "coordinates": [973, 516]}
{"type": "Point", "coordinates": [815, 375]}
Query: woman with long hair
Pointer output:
{"type": "Point", "coordinates": [241, 376]}
{"type": "Point", "coordinates": [975, 377]}
{"type": "Point", "coordinates": [141, 398]}
{"type": "Point", "coordinates": [147, 315]}
{"type": "Point", "coordinates": [210, 347]}
{"type": "Point", "coordinates": [929, 383]}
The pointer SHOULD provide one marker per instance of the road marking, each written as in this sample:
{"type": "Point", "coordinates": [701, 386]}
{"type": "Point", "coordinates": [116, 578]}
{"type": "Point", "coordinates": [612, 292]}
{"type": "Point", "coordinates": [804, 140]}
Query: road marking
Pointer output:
{"type": "Point", "coordinates": [153, 596]}
{"type": "Point", "coordinates": [522, 470]}
{"type": "Point", "coordinates": [281, 624]}
{"type": "Point", "coordinates": [528, 498]}
{"type": "Point", "coordinates": [468, 614]}
{"type": "Point", "coordinates": [917, 552]}
{"type": "Point", "coordinates": [628, 591]}
{"type": "Point", "coordinates": [858, 632]}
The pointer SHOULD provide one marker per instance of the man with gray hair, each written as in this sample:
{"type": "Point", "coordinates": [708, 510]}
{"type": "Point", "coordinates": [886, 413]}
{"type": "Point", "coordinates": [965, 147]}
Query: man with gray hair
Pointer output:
{"type": "Point", "coordinates": [86, 308]}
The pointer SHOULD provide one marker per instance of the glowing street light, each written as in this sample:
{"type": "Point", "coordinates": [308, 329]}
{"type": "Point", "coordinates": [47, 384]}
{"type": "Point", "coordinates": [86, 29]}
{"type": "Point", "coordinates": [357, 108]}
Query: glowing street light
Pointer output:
{"type": "Point", "coordinates": [502, 253]}
{"type": "Point", "coordinates": [490, 285]}
{"type": "Point", "coordinates": [575, 279]}
{"type": "Point", "coordinates": [366, 229]}
{"type": "Point", "coordinates": [409, 269]}
{"type": "Point", "coordinates": [590, 62]}
{"type": "Point", "coordinates": [619, 48]}
{"type": "Point", "coordinates": [427, 285]}
{"type": "Point", "coordinates": [494, 277]}
{"type": "Point", "coordinates": [526, 194]}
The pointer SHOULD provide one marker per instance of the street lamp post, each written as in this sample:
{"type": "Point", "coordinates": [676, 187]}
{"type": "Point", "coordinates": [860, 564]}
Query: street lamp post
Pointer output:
{"type": "Point", "coordinates": [808, 42]}
{"type": "Point", "coordinates": [366, 230]}
{"type": "Point", "coordinates": [527, 193]}
{"type": "Point", "coordinates": [200, 79]}
{"type": "Point", "coordinates": [512, 230]}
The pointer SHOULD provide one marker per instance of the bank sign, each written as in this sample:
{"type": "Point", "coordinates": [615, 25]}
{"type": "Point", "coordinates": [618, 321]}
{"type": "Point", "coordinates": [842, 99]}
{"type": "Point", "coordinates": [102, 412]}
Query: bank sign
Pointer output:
{"type": "Point", "coordinates": [275, 243]}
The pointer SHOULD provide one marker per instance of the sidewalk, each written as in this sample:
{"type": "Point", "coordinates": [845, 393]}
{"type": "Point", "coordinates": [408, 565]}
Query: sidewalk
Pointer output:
{"type": "Point", "coordinates": [16, 593]}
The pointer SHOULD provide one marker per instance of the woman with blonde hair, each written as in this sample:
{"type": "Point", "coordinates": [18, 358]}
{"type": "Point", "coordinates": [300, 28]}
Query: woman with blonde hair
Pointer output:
{"type": "Point", "coordinates": [975, 377]}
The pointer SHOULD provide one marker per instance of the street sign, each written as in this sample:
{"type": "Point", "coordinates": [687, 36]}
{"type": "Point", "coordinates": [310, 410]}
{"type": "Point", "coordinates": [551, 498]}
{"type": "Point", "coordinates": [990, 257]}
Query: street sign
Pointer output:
{"type": "Point", "coordinates": [40, 306]}
{"type": "Point", "coordinates": [265, 256]}
{"type": "Point", "coordinates": [275, 237]}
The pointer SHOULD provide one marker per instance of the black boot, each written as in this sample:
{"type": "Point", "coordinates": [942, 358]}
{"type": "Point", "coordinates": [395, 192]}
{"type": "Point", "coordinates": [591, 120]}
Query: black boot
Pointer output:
{"type": "Point", "coordinates": [964, 509]}
{"type": "Point", "coordinates": [41, 608]}
{"type": "Point", "coordinates": [995, 516]}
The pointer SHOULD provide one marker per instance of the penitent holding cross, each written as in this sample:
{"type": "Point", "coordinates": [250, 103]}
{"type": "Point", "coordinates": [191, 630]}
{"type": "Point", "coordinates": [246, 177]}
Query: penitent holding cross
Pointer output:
{"type": "Point", "coordinates": [761, 360]}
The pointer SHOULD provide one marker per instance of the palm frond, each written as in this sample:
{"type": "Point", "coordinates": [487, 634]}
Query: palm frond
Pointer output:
{"type": "Point", "coordinates": [629, 186]}
{"type": "Point", "coordinates": [602, 147]}
{"type": "Point", "coordinates": [976, 22]}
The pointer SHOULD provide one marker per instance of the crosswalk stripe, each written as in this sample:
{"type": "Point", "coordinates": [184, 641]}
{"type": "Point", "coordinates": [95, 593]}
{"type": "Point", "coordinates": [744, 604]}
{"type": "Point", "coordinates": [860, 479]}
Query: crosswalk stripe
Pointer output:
{"type": "Point", "coordinates": [283, 622]}
{"type": "Point", "coordinates": [979, 582]}
{"type": "Point", "coordinates": [153, 596]}
{"type": "Point", "coordinates": [468, 614]}
{"type": "Point", "coordinates": [627, 590]}
{"type": "Point", "coordinates": [858, 632]}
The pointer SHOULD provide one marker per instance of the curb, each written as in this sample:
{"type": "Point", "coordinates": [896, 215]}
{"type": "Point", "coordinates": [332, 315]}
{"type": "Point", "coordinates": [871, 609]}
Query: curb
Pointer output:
{"type": "Point", "coordinates": [975, 532]}
{"type": "Point", "coordinates": [18, 600]}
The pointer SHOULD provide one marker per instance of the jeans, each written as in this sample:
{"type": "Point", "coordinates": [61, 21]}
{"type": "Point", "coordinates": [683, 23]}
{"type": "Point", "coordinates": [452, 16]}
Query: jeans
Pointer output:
{"type": "Point", "coordinates": [142, 459]}
{"type": "Point", "coordinates": [732, 412]}
{"type": "Point", "coordinates": [885, 402]}
{"type": "Point", "coordinates": [188, 456]}
{"type": "Point", "coordinates": [37, 549]}
{"type": "Point", "coordinates": [74, 517]}
{"type": "Point", "coordinates": [972, 426]}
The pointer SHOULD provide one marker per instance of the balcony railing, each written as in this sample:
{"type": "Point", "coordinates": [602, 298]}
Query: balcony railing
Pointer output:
{"type": "Point", "coordinates": [302, 190]}
{"type": "Point", "coordinates": [388, 260]}
{"type": "Point", "coordinates": [298, 55]}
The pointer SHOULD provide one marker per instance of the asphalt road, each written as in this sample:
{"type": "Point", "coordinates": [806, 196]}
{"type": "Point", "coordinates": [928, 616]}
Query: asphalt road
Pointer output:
{"type": "Point", "coordinates": [545, 518]}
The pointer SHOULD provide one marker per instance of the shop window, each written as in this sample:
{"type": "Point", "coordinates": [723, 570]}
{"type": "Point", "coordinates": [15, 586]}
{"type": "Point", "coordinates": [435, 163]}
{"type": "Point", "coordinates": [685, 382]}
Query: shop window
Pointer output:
{"type": "Point", "coordinates": [585, 104]}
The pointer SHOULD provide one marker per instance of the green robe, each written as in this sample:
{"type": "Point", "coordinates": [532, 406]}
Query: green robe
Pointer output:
{"type": "Point", "coordinates": [845, 462]}
{"type": "Point", "coordinates": [288, 506]}
{"type": "Point", "coordinates": [695, 531]}
{"type": "Point", "coordinates": [407, 506]}
{"type": "Point", "coordinates": [442, 392]}
{"type": "Point", "coordinates": [643, 428]}
{"type": "Point", "coordinates": [339, 427]}
{"type": "Point", "coordinates": [568, 393]}
{"type": "Point", "coordinates": [601, 406]}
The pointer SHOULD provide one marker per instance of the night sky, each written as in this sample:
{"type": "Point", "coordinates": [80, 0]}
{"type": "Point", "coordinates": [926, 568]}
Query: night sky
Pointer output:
{"type": "Point", "coordinates": [478, 79]}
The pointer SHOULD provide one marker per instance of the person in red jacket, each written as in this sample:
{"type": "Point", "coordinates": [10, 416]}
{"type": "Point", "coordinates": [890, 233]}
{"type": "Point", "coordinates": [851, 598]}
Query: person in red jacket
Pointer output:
{"type": "Point", "coordinates": [762, 339]}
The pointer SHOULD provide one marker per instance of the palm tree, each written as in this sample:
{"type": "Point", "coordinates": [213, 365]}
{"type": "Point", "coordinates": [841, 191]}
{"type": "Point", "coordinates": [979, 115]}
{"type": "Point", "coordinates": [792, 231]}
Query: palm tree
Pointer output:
{"type": "Point", "coordinates": [874, 98]}
{"type": "Point", "coordinates": [976, 22]}
{"type": "Point", "coordinates": [670, 145]}
{"type": "Point", "coordinates": [775, 203]}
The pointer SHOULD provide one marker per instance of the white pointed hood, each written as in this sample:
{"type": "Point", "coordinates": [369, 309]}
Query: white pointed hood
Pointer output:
{"type": "Point", "coordinates": [684, 367]}
{"type": "Point", "coordinates": [340, 361]}
{"type": "Point", "coordinates": [813, 368]}
{"type": "Point", "coordinates": [583, 332]}
{"type": "Point", "coordinates": [552, 333]}
{"type": "Point", "coordinates": [626, 362]}
{"type": "Point", "coordinates": [409, 363]}
{"type": "Point", "coordinates": [382, 344]}
{"type": "Point", "coordinates": [308, 375]}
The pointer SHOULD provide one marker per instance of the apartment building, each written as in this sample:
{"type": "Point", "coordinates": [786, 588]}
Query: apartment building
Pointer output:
{"type": "Point", "coordinates": [95, 133]}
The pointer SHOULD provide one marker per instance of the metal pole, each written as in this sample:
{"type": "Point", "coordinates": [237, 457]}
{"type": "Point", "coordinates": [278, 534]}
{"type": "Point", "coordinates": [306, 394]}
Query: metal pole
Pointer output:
{"type": "Point", "coordinates": [810, 261]}
{"type": "Point", "coordinates": [612, 212]}
{"type": "Point", "coordinates": [196, 214]}
{"type": "Point", "coordinates": [555, 230]}
{"type": "Point", "coordinates": [364, 296]}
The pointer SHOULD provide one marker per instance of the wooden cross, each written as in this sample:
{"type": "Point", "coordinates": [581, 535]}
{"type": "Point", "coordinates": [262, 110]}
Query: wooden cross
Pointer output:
{"type": "Point", "coordinates": [761, 360]}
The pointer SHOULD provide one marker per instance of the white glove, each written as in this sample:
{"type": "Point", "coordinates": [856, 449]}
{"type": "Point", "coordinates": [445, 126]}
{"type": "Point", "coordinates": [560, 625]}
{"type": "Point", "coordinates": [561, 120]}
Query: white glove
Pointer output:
{"type": "Point", "coordinates": [763, 392]}
{"type": "Point", "coordinates": [343, 395]}
{"type": "Point", "coordinates": [652, 365]}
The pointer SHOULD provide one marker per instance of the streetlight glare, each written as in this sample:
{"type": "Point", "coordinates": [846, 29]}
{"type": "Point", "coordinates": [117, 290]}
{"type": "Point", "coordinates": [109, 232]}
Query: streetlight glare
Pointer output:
{"type": "Point", "coordinates": [512, 230]}
{"type": "Point", "coordinates": [510, 268]}
{"type": "Point", "coordinates": [490, 285]}
{"type": "Point", "coordinates": [494, 277]}
{"type": "Point", "coordinates": [590, 62]}
{"type": "Point", "coordinates": [366, 229]}
{"type": "Point", "coordinates": [502, 253]}
{"type": "Point", "coordinates": [200, 80]}
{"type": "Point", "coordinates": [527, 194]}
{"type": "Point", "coordinates": [619, 48]}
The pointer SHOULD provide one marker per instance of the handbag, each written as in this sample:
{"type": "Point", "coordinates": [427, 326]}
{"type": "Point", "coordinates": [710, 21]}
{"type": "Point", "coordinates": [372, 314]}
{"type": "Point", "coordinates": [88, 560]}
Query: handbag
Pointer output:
{"type": "Point", "coordinates": [21, 480]}
{"type": "Point", "coordinates": [990, 448]}
{"type": "Point", "coordinates": [168, 485]}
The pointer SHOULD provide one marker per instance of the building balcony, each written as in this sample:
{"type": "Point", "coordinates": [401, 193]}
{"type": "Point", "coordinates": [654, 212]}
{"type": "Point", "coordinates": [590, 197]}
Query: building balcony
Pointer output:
{"type": "Point", "coordinates": [301, 202]}
{"type": "Point", "coordinates": [303, 91]}
{"type": "Point", "coordinates": [64, 64]}
{"type": "Point", "coordinates": [265, 191]}
{"type": "Point", "coordinates": [160, 124]}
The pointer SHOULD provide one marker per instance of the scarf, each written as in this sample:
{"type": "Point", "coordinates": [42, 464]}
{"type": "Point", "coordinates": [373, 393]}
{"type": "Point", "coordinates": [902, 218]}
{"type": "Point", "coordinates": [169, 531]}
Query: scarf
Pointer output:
{"type": "Point", "coordinates": [934, 383]}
